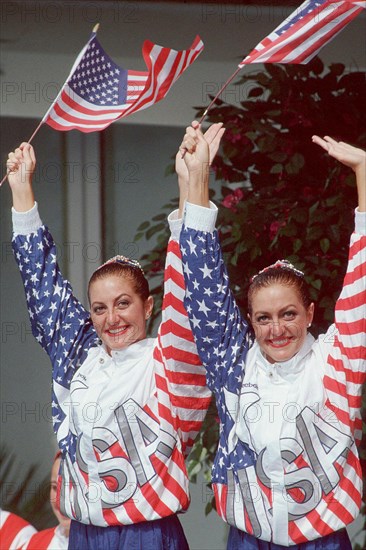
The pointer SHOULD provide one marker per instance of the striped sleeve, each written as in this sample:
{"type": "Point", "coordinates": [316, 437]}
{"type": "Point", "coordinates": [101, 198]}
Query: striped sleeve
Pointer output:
{"type": "Point", "coordinates": [14, 531]}
{"type": "Point", "coordinates": [184, 377]}
{"type": "Point", "coordinates": [45, 540]}
{"type": "Point", "coordinates": [348, 354]}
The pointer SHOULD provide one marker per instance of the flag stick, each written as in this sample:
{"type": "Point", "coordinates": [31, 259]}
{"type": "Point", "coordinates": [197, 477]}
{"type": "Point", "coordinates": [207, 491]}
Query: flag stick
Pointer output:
{"type": "Point", "coordinates": [219, 93]}
{"type": "Point", "coordinates": [95, 30]}
{"type": "Point", "coordinates": [214, 99]}
{"type": "Point", "coordinates": [35, 131]}
{"type": "Point", "coordinates": [29, 140]}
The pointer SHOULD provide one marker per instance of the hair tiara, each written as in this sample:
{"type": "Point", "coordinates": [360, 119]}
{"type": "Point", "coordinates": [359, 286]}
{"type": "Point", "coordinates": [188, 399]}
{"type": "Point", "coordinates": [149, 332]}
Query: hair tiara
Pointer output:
{"type": "Point", "coordinates": [280, 264]}
{"type": "Point", "coordinates": [119, 259]}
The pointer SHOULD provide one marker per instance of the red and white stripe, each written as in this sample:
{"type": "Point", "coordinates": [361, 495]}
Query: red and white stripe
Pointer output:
{"type": "Point", "coordinates": [348, 358]}
{"type": "Point", "coordinates": [70, 111]}
{"type": "Point", "coordinates": [183, 379]}
{"type": "Point", "coordinates": [302, 41]}
{"type": "Point", "coordinates": [48, 539]}
{"type": "Point", "coordinates": [14, 531]}
{"type": "Point", "coordinates": [165, 67]}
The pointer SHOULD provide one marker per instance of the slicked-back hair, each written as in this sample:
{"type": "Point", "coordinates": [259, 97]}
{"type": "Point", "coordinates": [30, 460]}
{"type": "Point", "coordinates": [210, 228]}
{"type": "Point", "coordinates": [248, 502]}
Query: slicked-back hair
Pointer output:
{"type": "Point", "coordinates": [283, 276]}
{"type": "Point", "coordinates": [133, 274]}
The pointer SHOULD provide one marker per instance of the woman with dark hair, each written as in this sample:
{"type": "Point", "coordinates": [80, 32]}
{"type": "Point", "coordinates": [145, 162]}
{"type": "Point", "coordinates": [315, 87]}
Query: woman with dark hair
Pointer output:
{"type": "Point", "coordinates": [287, 471]}
{"type": "Point", "coordinates": [126, 408]}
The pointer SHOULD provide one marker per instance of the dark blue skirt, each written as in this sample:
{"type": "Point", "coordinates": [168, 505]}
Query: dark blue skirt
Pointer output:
{"type": "Point", "coordinates": [161, 534]}
{"type": "Point", "coordinates": [238, 540]}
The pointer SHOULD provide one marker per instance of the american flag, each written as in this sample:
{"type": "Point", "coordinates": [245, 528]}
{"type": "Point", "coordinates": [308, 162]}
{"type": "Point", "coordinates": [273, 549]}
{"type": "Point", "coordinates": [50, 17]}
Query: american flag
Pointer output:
{"type": "Point", "coordinates": [98, 91]}
{"type": "Point", "coordinates": [299, 38]}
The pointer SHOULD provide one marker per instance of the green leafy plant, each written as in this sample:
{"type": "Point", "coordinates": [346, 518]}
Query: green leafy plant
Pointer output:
{"type": "Point", "coordinates": [281, 196]}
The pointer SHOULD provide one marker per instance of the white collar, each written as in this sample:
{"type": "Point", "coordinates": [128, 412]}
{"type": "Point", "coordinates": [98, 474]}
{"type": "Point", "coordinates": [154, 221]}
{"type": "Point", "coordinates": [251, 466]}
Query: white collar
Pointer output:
{"type": "Point", "coordinates": [132, 352]}
{"type": "Point", "coordinates": [291, 366]}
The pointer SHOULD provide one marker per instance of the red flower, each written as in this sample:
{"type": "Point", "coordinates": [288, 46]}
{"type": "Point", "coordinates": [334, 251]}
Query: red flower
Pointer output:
{"type": "Point", "coordinates": [231, 200]}
{"type": "Point", "coordinates": [274, 228]}
{"type": "Point", "coordinates": [232, 137]}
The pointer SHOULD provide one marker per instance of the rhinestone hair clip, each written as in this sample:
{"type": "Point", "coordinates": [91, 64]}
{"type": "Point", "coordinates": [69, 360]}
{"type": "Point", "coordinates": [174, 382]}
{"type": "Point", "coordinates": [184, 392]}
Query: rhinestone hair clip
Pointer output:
{"type": "Point", "coordinates": [119, 259]}
{"type": "Point", "coordinates": [280, 264]}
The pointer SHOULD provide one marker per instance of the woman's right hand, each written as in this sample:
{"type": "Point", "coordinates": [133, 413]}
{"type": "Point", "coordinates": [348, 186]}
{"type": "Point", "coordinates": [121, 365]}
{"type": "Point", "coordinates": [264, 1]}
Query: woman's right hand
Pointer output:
{"type": "Point", "coordinates": [20, 165]}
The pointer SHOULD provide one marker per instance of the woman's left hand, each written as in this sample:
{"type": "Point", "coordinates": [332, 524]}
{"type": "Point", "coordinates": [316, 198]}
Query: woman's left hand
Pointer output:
{"type": "Point", "coordinates": [351, 156]}
{"type": "Point", "coordinates": [344, 152]}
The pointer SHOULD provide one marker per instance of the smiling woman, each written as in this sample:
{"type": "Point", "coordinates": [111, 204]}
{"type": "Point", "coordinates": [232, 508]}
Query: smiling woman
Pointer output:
{"type": "Point", "coordinates": [287, 471]}
{"type": "Point", "coordinates": [280, 310]}
{"type": "Point", "coordinates": [125, 408]}
{"type": "Point", "coordinates": [118, 312]}
{"type": "Point", "coordinates": [120, 303]}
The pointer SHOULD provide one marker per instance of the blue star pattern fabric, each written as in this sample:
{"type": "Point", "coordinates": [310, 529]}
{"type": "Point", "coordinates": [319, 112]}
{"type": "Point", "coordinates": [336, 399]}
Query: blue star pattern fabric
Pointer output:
{"type": "Point", "coordinates": [62, 322]}
{"type": "Point", "coordinates": [98, 78]}
{"type": "Point", "coordinates": [222, 340]}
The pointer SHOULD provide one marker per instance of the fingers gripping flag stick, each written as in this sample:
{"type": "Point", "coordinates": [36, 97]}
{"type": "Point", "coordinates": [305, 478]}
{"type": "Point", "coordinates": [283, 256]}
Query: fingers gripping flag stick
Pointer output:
{"type": "Point", "coordinates": [98, 91]}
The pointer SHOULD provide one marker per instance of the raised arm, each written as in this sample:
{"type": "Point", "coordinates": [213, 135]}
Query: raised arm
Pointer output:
{"type": "Point", "coordinates": [184, 377]}
{"type": "Point", "coordinates": [348, 354]}
{"type": "Point", "coordinates": [197, 160]}
{"type": "Point", "coordinates": [21, 164]}
{"type": "Point", "coordinates": [58, 320]}
{"type": "Point", "coordinates": [220, 331]}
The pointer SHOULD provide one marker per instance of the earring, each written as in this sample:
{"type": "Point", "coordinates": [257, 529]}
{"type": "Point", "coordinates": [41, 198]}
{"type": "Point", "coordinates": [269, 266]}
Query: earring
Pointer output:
{"type": "Point", "coordinates": [309, 325]}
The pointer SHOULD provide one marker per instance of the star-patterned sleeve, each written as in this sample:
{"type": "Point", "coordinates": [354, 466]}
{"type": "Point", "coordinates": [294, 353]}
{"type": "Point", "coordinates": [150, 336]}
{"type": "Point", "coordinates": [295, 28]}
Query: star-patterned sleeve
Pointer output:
{"type": "Point", "coordinates": [184, 376]}
{"type": "Point", "coordinates": [59, 322]}
{"type": "Point", "coordinates": [219, 329]}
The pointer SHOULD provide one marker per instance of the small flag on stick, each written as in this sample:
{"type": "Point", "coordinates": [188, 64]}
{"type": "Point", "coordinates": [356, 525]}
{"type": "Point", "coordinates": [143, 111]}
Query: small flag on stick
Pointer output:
{"type": "Point", "coordinates": [300, 37]}
{"type": "Point", "coordinates": [98, 91]}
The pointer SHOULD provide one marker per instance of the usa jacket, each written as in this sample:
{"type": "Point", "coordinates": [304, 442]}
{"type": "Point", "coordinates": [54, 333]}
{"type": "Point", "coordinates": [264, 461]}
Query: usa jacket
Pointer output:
{"type": "Point", "coordinates": [124, 422]}
{"type": "Point", "coordinates": [287, 468]}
